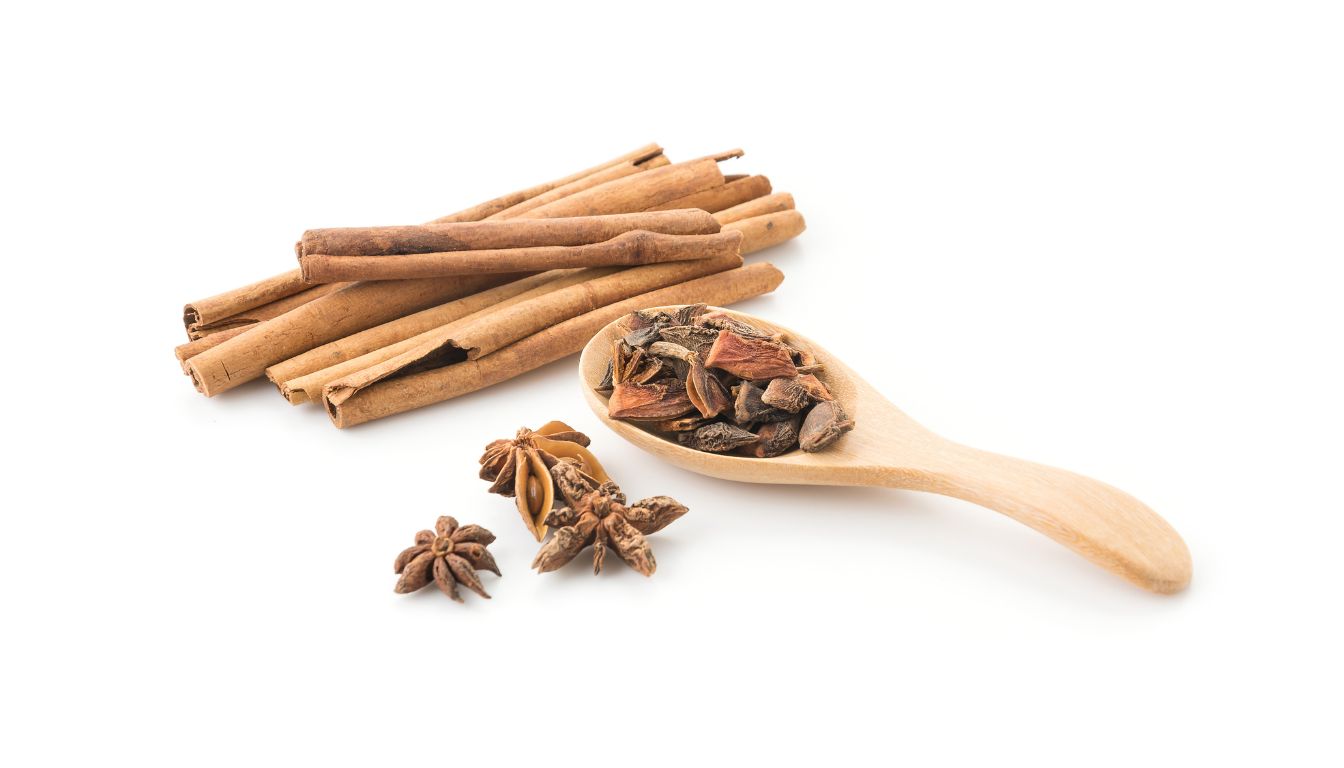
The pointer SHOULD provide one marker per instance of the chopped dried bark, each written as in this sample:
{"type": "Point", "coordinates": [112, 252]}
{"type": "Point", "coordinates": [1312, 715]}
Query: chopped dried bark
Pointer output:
{"type": "Point", "coordinates": [749, 408]}
{"type": "Point", "coordinates": [719, 437]}
{"type": "Point", "coordinates": [824, 424]}
{"type": "Point", "coordinates": [755, 359]}
{"type": "Point", "coordinates": [786, 395]}
{"type": "Point", "coordinates": [775, 439]}
{"type": "Point", "coordinates": [663, 400]}
{"type": "Point", "coordinates": [718, 383]}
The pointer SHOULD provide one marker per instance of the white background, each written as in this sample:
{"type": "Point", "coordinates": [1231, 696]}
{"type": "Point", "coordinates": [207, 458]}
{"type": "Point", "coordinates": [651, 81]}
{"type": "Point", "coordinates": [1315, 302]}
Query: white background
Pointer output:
{"type": "Point", "coordinates": [1102, 237]}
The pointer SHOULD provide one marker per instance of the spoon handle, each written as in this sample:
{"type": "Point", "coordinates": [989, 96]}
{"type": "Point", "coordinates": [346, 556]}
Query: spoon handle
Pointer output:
{"type": "Point", "coordinates": [1099, 522]}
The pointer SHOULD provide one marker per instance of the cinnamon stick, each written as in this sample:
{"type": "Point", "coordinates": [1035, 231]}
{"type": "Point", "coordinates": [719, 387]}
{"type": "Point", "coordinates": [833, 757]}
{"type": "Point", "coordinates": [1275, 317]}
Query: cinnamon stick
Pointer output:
{"type": "Point", "coordinates": [393, 339]}
{"type": "Point", "coordinates": [639, 192]}
{"type": "Point", "coordinates": [191, 349]}
{"type": "Point", "coordinates": [340, 313]}
{"type": "Point", "coordinates": [494, 327]}
{"type": "Point", "coordinates": [492, 330]}
{"type": "Point", "coordinates": [780, 201]}
{"type": "Point", "coordinates": [356, 400]}
{"type": "Point", "coordinates": [627, 168]}
{"type": "Point", "coordinates": [485, 235]}
{"type": "Point", "coordinates": [731, 193]}
{"type": "Point", "coordinates": [393, 331]}
{"type": "Point", "coordinates": [363, 305]}
{"type": "Point", "coordinates": [628, 249]}
{"type": "Point", "coordinates": [504, 202]}
{"type": "Point", "coordinates": [250, 304]}
{"type": "Point", "coordinates": [226, 310]}
{"type": "Point", "coordinates": [764, 231]}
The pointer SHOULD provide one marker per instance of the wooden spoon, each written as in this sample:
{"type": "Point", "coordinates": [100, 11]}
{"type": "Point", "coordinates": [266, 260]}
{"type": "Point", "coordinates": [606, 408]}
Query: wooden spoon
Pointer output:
{"type": "Point", "coordinates": [888, 448]}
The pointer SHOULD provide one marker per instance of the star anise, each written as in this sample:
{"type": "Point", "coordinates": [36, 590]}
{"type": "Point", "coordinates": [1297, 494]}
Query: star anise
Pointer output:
{"type": "Point", "coordinates": [597, 515]}
{"type": "Point", "coordinates": [520, 468]}
{"type": "Point", "coordinates": [448, 556]}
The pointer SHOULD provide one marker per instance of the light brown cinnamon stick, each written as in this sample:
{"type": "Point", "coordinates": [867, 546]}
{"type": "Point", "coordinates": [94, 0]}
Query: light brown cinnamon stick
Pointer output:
{"type": "Point", "coordinates": [393, 331]}
{"type": "Point", "coordinates": [492, 328]}
{"type": "Point", "coordinates": [764, 231]}
{"type": "Point", "coordinates": [341, 313]}
{"type": "Point", "coordinates": [726, 195]}
{"type": "Point", "coordinates": [484, 235]}
{"type": "Point", "coordinates": [628, 249]}
{"type": "Point", "coordinates": [391, 339]}
{"type": "Point", "coordinates": [490, 331]}
{"type": "Point", "coordinates": [363, 305]}
{"type": "Point", "coordinates": [353, 401]}
{"type": "Point", "coordinates": [226, 310]}
{"type": "Point", "coordinates": [191, 349]}
{"type": "Point", "coordinates": [250, 304]}
{"type": "Point", "coordinates": [504, 202]}
{"type": "Point", "coordinates": [627, 168]}
{"type": "Point", "coordinates": [780, 201]}
{"type": "Point", "coordinates": [639, 192]}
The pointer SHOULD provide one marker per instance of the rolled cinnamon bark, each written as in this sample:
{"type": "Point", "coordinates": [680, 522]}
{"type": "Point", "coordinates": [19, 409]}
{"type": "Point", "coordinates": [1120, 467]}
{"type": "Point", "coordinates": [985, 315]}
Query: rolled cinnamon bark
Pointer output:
{"type": "Point", "coordinates": [629, 249]}
{"type": "Point", "coordinates": [366, 304]}
{"type": "Point", "coordinates": [191, 349]}
{"type": "Point", "coordinates": [490, 331]}
{"type": "Point", "coordinates": [483, 332]}
{"type": "Point", "coordinates": [504, 202]}
{"type": "Point", "coordinates": [627, 168]}
{"type": "Point", "coordinates": [203, 318]}
{"type": "Point", "coordinates": [393, 331]}
{"type": "Point", "coordinates": [764, 231]}
{"type": "Point", "coordinates": [487, 235]}
{"type": "Point", "coordinates": [639, 192]}
{"type": "Point", "coordinates": [726, 195]}
{"type": "Point", "coordinates": [341, 313]}
{"type": "Point", "coordinates": [353, 401]}
{"type": "Point", "coordinates": [780, 201]}
{"type": "Point", "coordinates": [229, 303]}
{"type": "Point", "coordinates": [391, 339]}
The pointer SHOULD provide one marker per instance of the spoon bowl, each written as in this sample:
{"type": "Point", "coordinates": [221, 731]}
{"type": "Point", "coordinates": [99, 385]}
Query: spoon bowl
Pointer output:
{"type": "Point", "coordinates": [887, 448]}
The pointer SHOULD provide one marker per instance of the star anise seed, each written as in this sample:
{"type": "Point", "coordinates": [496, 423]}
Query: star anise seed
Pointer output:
{"type": "Point", "coordinates": [520, 468]}
{"type": "Point", "coordinates": [448, 555]}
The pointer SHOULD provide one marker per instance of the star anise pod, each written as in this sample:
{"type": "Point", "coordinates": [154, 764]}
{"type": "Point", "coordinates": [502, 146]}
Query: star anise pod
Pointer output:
{"type": "Point", "coordinates": [597, 515]}
{"type": "Point", "coordinates": [520, 468]}
{"type": "Point", "coordinates": [448, 556]}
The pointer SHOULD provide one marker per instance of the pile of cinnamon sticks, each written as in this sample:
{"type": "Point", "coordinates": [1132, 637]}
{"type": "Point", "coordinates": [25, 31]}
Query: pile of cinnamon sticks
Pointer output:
{"type": "Point", "coordinates": [382, 320]}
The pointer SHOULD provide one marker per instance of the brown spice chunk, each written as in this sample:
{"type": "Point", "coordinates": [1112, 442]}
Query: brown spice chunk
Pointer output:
{"type": "Point", "coordinates": [705, 392]}
{"type": "Point", "coordinates": [786, 394]}
{"type": "Point", "coordinates": [663, 400]}
{"type": "Point", "coordinates": [824, 424]}
{"type": "Point", "coordinates": [776, 438]}
{"type": "Point", "coordinates": [717, 438]}
{"type": "Point", "coordinates": [754, 359]}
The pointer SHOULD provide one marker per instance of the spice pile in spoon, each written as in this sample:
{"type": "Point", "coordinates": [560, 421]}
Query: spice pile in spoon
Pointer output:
{"type": "Point", "coordinates": [718, 384]}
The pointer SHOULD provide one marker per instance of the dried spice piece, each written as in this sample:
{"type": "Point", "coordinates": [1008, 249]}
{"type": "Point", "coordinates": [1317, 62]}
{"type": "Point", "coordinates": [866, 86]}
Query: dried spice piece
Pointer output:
{"type": "Point", "coordinates": [776, 438]}
{"type": "Point", "coordinates": [824, 424]}
{"type": "Point", "coordinates": [664, 400]}
{"type": "Point", "coordinates": [521, 468]}
{"type": "Point", "coordinates": [684, 424]}
{"type": "Point", "coordinates": [749, 407]}
{"type": "Point", "coordinates": [693, 337]}
{"type": "Point", "coordinates": [719, 437]}
{"type": "Point", "coordinates": [705, 392]}
{"type": "Point", "coordinates": [449, 555]}
{"type": "Point", "coordinates": [721, 384]}
{"type": "Point", "coordinates": [596, 515]}
{"type": "Point", "coordinates": [750, 358]}
{"type": "Point", "coordinates": [786, 394]}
